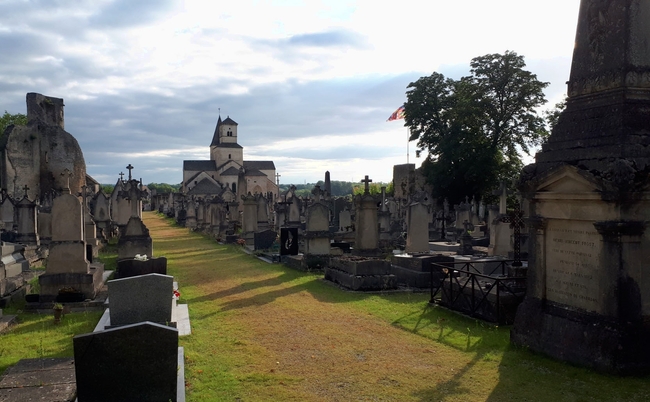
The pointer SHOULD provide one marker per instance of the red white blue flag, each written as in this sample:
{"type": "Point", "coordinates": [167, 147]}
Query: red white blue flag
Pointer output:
{"type": "Point", "coordinates": [398, 114]}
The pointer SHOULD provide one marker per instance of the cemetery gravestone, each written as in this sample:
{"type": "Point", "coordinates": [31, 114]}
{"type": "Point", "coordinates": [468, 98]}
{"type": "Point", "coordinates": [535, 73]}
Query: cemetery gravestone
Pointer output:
{"type": "Point", "coordinates": [141, 361]}
{"type": "Point", "coordinates": [141, 298]}
{"type": "Point", "coordinates": [264, 240]}
{"type": "Point", "coordinates": [366, 225]}
{"type": "Point", "coordinates": [417, 238]}
{"type": "Point", "coordinates": [289, 241]}
{"type": "Point", "coordinates": [317, 233]}
{"type": "Point", "coordinates": [67, 266]}
{"type": "Point", "coordinates": [129, 267]}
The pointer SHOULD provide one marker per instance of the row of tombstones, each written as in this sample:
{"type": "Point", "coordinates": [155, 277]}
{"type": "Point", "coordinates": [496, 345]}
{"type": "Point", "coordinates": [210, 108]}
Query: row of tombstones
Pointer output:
{"type": "Point", "coordinates": [136, 342]}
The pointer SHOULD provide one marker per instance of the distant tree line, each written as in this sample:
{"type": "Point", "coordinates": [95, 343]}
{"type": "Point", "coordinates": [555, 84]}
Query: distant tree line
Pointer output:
{"type": "Point", "coordinates": [339, 188]}
{"type": "Point", "coordinates": [159, 187]}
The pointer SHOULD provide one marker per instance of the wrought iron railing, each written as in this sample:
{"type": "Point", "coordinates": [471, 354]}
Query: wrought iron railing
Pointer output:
{"type": "Point", "coordinates": [461, 286]}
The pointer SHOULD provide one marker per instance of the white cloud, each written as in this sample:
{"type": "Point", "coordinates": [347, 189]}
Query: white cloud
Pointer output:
{"type": "Point", "coordinates": [310, 82]}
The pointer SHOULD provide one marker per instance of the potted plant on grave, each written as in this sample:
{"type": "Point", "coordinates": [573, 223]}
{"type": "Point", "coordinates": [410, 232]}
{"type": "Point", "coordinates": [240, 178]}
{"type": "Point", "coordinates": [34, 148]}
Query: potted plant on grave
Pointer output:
{"type": "Point", "coordinates": [58, 312]}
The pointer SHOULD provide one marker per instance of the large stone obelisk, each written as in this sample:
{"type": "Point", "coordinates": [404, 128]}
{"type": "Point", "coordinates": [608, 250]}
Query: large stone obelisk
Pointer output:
{"type": "Point", "coordinates": [589, 284]}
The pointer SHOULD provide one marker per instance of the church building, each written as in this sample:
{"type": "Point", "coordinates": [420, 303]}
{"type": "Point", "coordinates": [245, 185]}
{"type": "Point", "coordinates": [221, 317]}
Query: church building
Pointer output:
{"type": "Point", "coordinates": [227, 174]}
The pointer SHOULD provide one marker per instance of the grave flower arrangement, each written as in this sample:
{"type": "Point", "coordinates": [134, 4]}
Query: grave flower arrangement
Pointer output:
{"type": "Point", "coordinates": [177, 294]}
{"type": "Point", "coordinates": [241, 242]}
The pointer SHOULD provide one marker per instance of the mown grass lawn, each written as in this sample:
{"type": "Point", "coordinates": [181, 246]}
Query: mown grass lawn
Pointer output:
{"type": "Point", "coordinates": [266, 332]}
{"type": "Point", "coordinates": [263, 332]}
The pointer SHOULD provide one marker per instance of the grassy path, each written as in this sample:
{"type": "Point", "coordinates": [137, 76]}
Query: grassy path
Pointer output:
{"type": "Point", "coordinates": [264, 332]}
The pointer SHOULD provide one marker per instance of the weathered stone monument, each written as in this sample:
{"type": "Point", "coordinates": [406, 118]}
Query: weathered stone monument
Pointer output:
{"type": "Point", "coordinates": [317, 234]}
{"type": "Point", "coordinates": [249, 224]}
{"type": "Point", "coordinates": [26, 223]}
{"type": "Point", "coordinates": [366, 224]}
{"type": "Point", "coordinates": [68, 270]}
{"type": "Point", "coordinates": [588, 299]}
{"type": "Point", "coordinates": [35, 154]}
{"type": "Point", "coordinates": [134, 237]}
{"type": "Point", "coordinates": [417, 239]}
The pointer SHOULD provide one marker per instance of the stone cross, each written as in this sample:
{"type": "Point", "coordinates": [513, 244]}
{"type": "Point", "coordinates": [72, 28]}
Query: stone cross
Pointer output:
{"type": "Point", "coordinates": [277, 178]}
{"type": "Point", "coordinates": [516, 221]}
{"type": "Point", "coordinates": [25, 189]}
{"type": "Point", "coordinates": [130, 169]}
{"type": "Point", "coordinates": [367, 182]}
{"type": "Point", "coordinates": [67, 173]}
{"type": "Point", "coordinates": [121, 176]}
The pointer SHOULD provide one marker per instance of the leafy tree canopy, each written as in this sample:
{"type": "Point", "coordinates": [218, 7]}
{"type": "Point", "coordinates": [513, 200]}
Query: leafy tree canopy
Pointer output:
{"type": "Point", "coordinates": [474, 127]}
{"type": "Point", "coordinates": [8, 119]}
{"type": "Point", "coordinates": [164, 187]}
{"type": "Point", "coordinates": [339, 188]}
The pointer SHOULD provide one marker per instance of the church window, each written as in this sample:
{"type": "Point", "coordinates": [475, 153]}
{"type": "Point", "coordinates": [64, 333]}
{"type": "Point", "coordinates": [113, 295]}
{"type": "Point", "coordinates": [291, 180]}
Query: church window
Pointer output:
{"type": "Point", "coordinates": [229, 156]}
{"type": "Point", "coordinates": [234, 187]}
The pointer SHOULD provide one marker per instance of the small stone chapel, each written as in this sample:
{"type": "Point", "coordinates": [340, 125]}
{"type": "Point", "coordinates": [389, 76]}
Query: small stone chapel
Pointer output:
{"type": "Point", "coordinates": [226, 170]}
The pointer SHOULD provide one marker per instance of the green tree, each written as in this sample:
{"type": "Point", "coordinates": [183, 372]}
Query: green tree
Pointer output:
{"type": "Point", "coordinates": [553, 115]}
{"type": "Point", "coordinates": [474, 127]}
{"type": "Point", "coordinates": [8, 119]}
{"type": "Point", "coordinates": [163, 187]}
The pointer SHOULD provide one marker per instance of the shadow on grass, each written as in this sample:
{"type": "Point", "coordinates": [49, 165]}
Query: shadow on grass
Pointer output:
{"type": "Point", "coordinates": [244, 287]}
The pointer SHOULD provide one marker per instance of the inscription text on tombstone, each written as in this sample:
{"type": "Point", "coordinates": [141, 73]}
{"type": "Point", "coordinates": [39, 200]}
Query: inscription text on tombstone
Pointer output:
{"type": "Point", "coordinates": [572, 264]}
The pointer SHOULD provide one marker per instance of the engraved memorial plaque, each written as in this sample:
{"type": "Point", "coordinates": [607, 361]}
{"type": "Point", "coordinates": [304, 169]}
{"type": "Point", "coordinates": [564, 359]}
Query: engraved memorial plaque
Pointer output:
{"type": "Point", "coordinates": [572, 264]}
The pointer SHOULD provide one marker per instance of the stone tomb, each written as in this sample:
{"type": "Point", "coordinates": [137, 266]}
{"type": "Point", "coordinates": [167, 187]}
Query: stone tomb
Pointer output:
{"type": "Point", "coordinates": [67, 266]}
{"type": "Point", "coordinates": [414, 270]}
{"type": "Point", "coordinates": [361, 273]}
{"type": "Point", "coordinates": [141, 298]}
{"type": "Point", "coordinates": [588, 298]}
{"type": "Point", "coordinates": [139, 362]}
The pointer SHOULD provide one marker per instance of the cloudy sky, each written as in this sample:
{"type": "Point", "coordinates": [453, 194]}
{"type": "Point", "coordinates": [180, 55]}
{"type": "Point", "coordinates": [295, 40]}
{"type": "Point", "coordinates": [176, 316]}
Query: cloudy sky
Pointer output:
{"type": "Point", "coordinates": [311, 83]}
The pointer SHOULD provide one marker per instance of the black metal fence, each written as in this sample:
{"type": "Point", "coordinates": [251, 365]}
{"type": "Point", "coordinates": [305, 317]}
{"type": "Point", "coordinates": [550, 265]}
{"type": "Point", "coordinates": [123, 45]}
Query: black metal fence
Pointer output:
{"type": "Point", "coordinates": [489, 294]}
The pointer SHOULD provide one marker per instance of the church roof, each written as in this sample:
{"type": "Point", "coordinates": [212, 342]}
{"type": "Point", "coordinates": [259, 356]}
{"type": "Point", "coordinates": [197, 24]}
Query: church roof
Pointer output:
{"type": "Point", "coordinates": [259, 165]}
{"type": "Point", "coordinates": [228, 145]}
{"type": "Point", "coordinates": [231, 171]}
{"type": "Point", "coordinates": [254, 172]}
{"type": "Point", "coordinates": [199, 166]}
{"type": "Point", "coordinates": [229, 121]}
{"type": "Point", "coordinates": [215, 137]}
{"type": "Point", "coordinates": [205, 187]}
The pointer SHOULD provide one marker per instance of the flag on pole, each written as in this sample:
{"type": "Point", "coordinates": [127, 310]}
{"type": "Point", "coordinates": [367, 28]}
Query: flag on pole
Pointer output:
{"type": "Point", "coordinates": [398, 114]}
